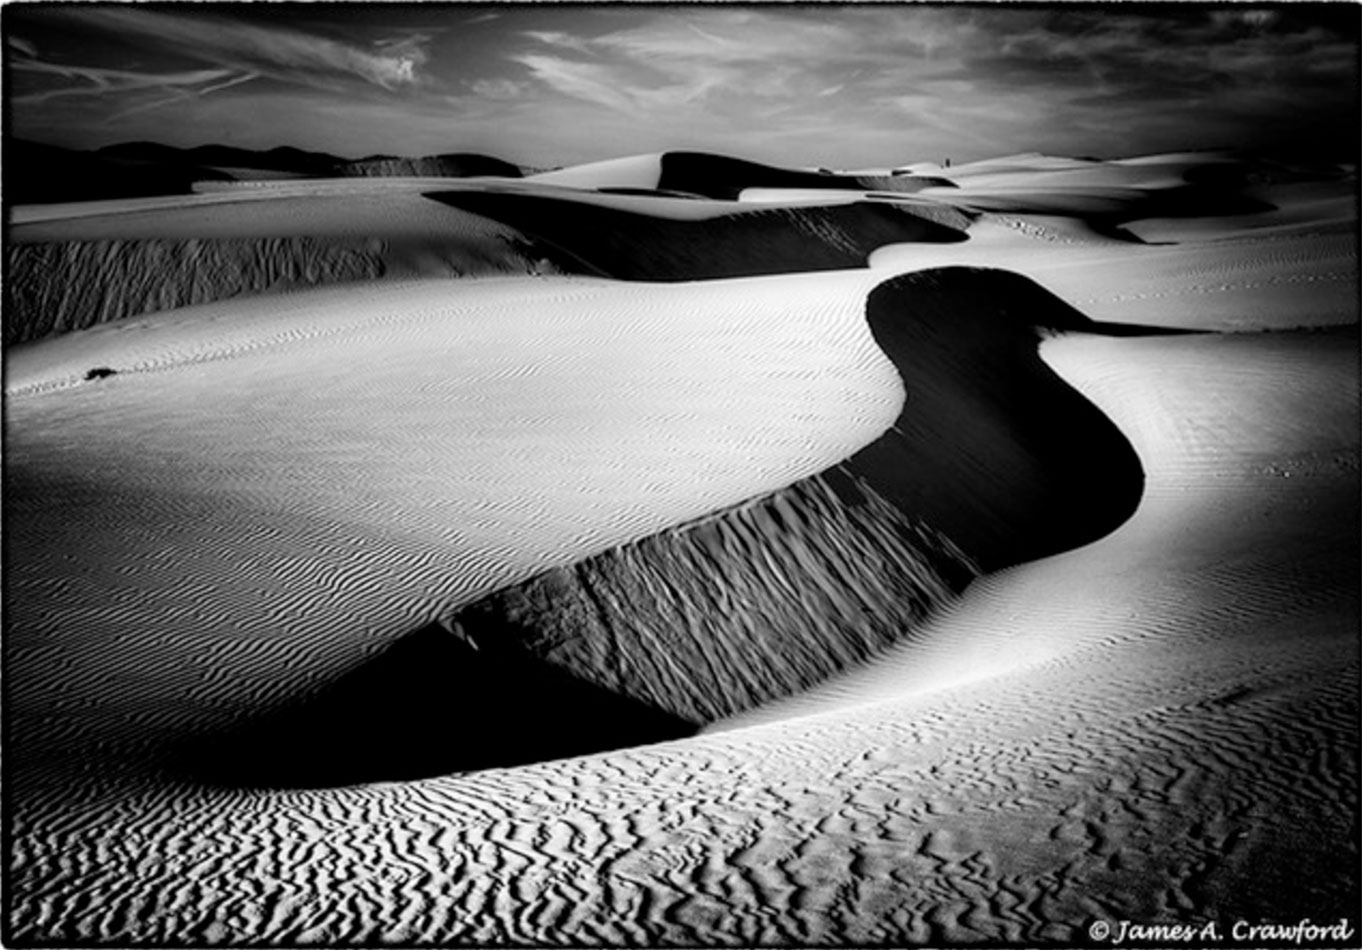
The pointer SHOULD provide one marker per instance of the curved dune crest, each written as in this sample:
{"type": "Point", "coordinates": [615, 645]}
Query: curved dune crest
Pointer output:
{"type": "Point", "coordinates": [721, 176]}
{"type": "Point", "coordinates": [634, 171]}
{"type": "Point", "coordinates": [590, 237]}
{"type": "Point", "coordinates": [1176, 185]}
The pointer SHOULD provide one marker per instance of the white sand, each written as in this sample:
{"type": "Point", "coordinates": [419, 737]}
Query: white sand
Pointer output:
{"type": "Point", "coordinates": [1260, 279]}
{"type": "Point", "coordinates": [634, 171]}
{"type": "Point", "coordinates": [380, 455]}
{"type": "Point", "coordinates": [1161, 726]}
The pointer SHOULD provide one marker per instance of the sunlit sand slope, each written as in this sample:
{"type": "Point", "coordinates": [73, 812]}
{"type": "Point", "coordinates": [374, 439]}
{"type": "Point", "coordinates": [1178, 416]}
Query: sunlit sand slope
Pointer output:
{"type": "Point", "coordinates": [1246, 272]}
{"type": "Point", "coordinates": [1205, 655]}
{"type": "Point", "coordinates": [1176, 185]}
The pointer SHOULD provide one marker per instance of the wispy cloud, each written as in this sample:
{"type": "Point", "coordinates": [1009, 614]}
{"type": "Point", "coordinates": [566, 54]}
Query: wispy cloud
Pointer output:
{"type": "Point", "coordinates": [103, 81]}
{"type": "Point", "coordinates": [589, 81]}
{"type": "Point", "coordinates": [503, 90]}
{"type": "Point", "coordinates": [757, 57]}
{"type": "Point", "coordinates": [278, 52]}
{"type": "Point", "coordinates": [21, 45]}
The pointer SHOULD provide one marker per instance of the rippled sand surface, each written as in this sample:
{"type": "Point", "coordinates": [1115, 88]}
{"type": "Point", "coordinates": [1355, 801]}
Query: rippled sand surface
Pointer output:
{"type": "Point", "coordinates": [925, 591]}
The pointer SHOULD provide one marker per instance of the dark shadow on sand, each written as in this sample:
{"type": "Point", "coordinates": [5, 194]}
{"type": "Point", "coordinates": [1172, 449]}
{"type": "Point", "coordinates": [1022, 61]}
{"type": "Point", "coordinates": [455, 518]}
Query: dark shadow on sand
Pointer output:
{"type": "Point", "coordinates": [724, 177]}
{"type": "Point", "coordinates": [993, 448]}
{"type": "Point", "coordinates": [582, 237]}
{"type": "Point", "coordinates": [432, 703]}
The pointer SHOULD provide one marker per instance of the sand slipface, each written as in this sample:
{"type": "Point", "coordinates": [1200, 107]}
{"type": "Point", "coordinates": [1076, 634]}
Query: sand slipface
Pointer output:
{"type": "Point", "coordinates": [940, 596]}
{"type": "Point", "coordinates": [123, 259]}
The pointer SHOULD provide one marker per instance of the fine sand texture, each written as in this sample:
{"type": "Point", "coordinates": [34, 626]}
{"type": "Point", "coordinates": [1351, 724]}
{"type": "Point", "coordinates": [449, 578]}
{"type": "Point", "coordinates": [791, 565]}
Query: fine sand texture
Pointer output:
{"type": "Point", "coordinates": [881, 568]}
{"type": "Point", "coordinates": [76, 266]}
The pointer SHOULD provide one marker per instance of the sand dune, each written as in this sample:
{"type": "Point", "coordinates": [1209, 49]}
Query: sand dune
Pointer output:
{"type": "Point", "coordinates": [1256, 276]}
{"type": "Point", "coordinates": [589, 237]}
{"type": "Point", "coordinates": [485, 464]}
{"type": "Point", "coordinates": [50, 175]}
{"type": "Point", "coordinates": [721, 176]}
{"type": "Point", "coordinates": [1179, 186]}
{"type": "Point", "coordinates": [835, 568]}
{"type": "Point", "coordinates": [78, 265]}
{"type": "Point", "coordinates": [574, 610]}
{"type": "Point", "coordinates": [124, 259]}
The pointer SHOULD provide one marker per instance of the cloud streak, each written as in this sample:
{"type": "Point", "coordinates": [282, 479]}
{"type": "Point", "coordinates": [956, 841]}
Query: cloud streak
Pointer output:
{"type": "Point", "coordinates": [105, 81]}
{"type": "Point", "coordinates": [278, 52]}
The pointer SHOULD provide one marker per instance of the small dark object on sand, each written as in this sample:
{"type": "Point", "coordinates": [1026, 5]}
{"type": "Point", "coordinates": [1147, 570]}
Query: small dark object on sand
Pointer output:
{"type": "Point", "coordinates": [99, 372]}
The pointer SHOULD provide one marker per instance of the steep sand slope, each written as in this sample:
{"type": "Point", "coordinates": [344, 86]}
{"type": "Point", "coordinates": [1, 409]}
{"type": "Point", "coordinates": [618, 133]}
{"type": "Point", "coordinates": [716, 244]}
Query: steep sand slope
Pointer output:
{"type": "Point", "coordinates": [454, 165]}
{"type": "Point", "coordinates": [70, 267]}
{"type": "Point", "coordinates": [588, 235]}
{"type": "Point", "coordinates": [721, 176]}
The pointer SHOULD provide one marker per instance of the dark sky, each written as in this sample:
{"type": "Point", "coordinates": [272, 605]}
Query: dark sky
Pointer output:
{"type": "Point", "coordinates": [819, 84]}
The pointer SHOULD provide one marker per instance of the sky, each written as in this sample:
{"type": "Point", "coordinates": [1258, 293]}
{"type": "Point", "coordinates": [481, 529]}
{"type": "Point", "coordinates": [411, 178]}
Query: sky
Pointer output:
{"type": "Point", "coordinates": [545, 84]}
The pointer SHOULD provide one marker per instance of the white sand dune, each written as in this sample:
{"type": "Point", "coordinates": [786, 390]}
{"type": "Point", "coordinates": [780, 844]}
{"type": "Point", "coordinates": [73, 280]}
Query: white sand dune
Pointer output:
{"type": "Point", "coordinates": [433, 441]}
{"type": "Point", "coordinates": [71, 268]}
{"type": "Point", "coordinates": [959, 809]}
{"type": "Point", "coordinates": [1249, 278]}
{"type": "Point", "coordinates": [268, 495]}
{"type": "Point", "coordinates": [1304, 207]}
{"type": "Point", "coordinates": [637, 171]}
{"type": "Point", "coordinates": [81, 264]}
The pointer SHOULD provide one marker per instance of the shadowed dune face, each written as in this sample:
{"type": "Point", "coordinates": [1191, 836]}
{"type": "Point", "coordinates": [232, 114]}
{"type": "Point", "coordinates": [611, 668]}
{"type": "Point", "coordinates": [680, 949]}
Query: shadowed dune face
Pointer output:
{"type": "Point", "coordinates": [454, 165]}
{"type": "Point", "coordinates": [720, 176]}
{"type": "Point", "coordinates": [60, 286]}
{"type": "Point", "coordinates": [432, 703]}
{"type": "Point", "coordinates": [43, 174]}
{"type": "Point", "coordinates": [724, 177]}
{"type": "Point", "coordinates": [992, 448]}
{"type": "Point", "coordinates": [628, 246]}
{"type": "Point", "coordinates": [755, 603]}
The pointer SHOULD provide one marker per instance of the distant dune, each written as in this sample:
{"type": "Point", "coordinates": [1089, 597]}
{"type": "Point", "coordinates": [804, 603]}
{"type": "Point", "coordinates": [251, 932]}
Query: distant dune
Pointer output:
{"type": "Point", "coordinates": [110, 260]}
{"type": "Point", "coordinates": [722, 176]}
{"type": "Point", "coordinates": [122, 260]}
{"type": "Point", "coordinates": [44, 174]}
{"type": "Point", "coordinates": [589, 236]}
{"type": "Point", "coordinates": [456, 165]}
